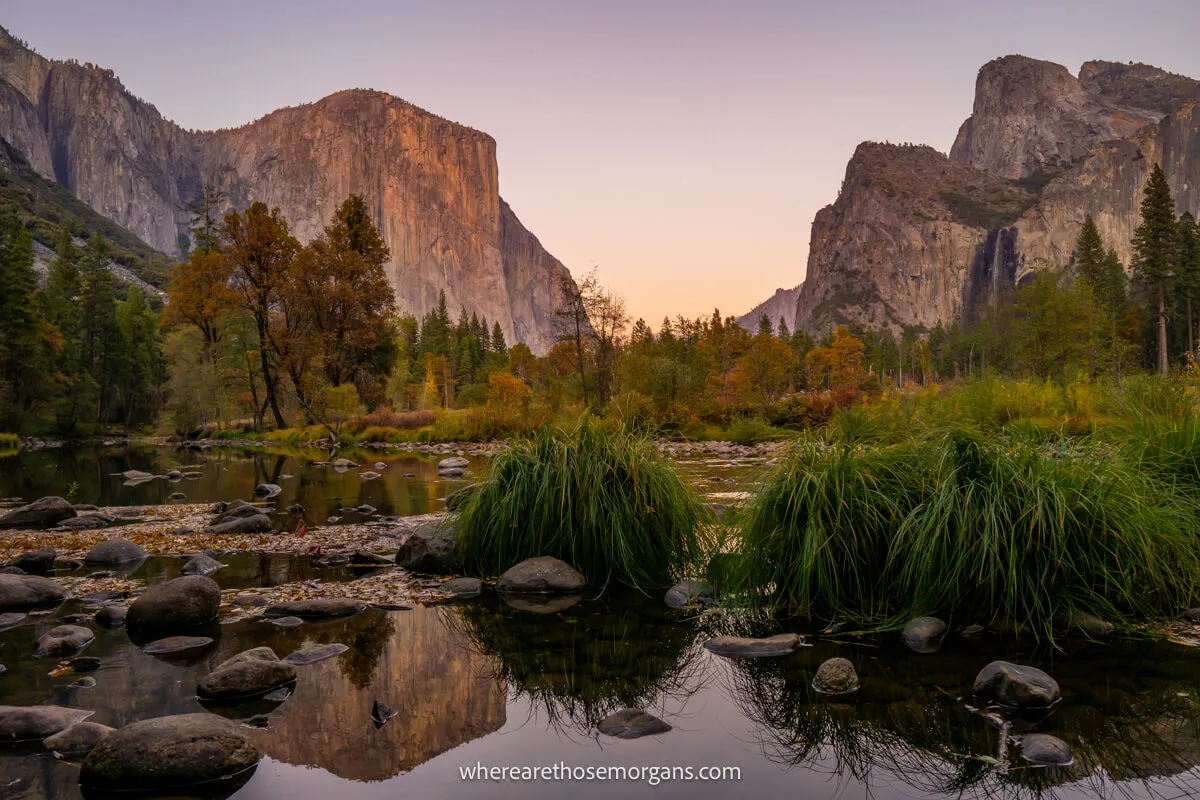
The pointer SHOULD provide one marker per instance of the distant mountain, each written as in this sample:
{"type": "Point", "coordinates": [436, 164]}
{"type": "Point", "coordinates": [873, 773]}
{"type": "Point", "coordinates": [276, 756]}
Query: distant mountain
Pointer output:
{"type": "Point", "coordinates": [781, 305]}
{"type": "Point", "coordinates": [915, 236]}
{"type": "Point", "coordinates": [431, 185]}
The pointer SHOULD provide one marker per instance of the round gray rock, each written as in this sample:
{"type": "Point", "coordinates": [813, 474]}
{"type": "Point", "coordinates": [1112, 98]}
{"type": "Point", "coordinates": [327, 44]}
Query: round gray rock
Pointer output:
{"type": "Point", "coordinates": [924, 634]}
{"type": "Point", "coordinates": [200, 565]}
{"type": "Point", "coordinates": [175, 605]}
{"type": "Point", "coordinates": [177, 644]}
{"type": "Point", "coordinates": [316, 608]}
{"type": "Point", "coordinates": [82, 737]}
{"type": "Point", "coordinates": [252, 523]}
{"type": "Point", "coordinates": [22, 592]}
{"type": "Point", "coordinates": [268, 490]}
{"type": "Point", "coordinates": [114, 552]}
{"type": "Point", "coordinates": [111, 616]}
{"type": "Point", "coordinates": [541, 575]}
{"type": "Point", "coordinates": [1008, 684]}
{"type": "Point", "coordinates": [689, 593]}
{"type": "Point", "coordinates": [250, 678]}
{"type": "Point", "coordinates": [253, 654]}
{"type": "Point", "coordinates": [746, 647]}
{"type": "Point", "coordinates": [836, 676]}
{"type": "Point", "coordinates": [35, 560]}
{"type": "Point", "coordinates": [28, 723]}
{"type": "Point", "coordinates": [632, 723]}
{"type": "Point", "coordinates": [64, 640]}
{"type": "Point", "coordinates": [1046, 750]}
{"type": "Point", "coordinates": [43, 513]}
{"type": "Point", "coordinates": [463, 587]}
{"type": "Point", "coordinates": [311, 655]}
{"type": "Point", "coordinates": [169, 753]}
{"type": "Point", "coordinates": [430, 549]}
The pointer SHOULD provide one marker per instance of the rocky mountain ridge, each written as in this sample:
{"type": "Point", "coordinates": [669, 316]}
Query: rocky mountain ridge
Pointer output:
{"type": "Point", "coordinates": [915, 236]}
{"type": "Point", "coordinates": [781, 305]}
{"type": "Point", "coordinates": [432, 185]}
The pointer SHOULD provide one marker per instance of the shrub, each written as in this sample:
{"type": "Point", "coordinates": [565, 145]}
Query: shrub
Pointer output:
{"type": "Point", "coordinates": [607, 503]}
{"type": "Point", "coordinates": [384, 417]}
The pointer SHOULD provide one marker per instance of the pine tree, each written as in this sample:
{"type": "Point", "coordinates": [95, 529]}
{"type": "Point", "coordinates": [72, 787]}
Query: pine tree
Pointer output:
{"type": "Point", "coordinates": [764, 325]}
{"type": "Point", "coordinates": [21, 326]}
{"type": "Point", "coordinates": [784, 333]}
{"type": "Point", "coordinates": [498, 344]}
{"type": "Point", "coordinates": [1189, 270]}
{"type": "Point", "coordinates": [1155, 248]}
{"type": "Point", "coordinates": [1089, 254]}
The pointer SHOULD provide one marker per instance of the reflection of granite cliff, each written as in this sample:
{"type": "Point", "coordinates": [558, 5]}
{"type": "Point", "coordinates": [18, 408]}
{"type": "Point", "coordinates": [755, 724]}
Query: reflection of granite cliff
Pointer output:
{"type": "Point", "coordinates": [442, 691]}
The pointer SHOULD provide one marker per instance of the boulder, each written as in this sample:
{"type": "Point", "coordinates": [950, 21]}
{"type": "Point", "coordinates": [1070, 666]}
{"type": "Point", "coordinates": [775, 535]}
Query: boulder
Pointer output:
{"type": "Point", "coordinates": [463, 587]}
{"type": "Point", "coordinates": [252, 678]}
{"type": "Point", "coordinates": [111, 616]}
{"type": "Point", "coordinates": [30, 723]}
{"type": "Point", "coordinates": [86, 522]}
{"type": "Point", "coordinates": [343, 464]}
{"type": "Point", "coordinates": [632, 723]}
{"type": "Point", "coordinates": [43, 513]}
{"type": "Point", "coordinates": [1083, 623]}
{"type": "Point", "coordinates": [268, 490]}
{"type": "Point", "coordinates": [689, 593]}
{"type": "Point", "coordinates": [169, 753]}
{"type": "Point", "coordinates": [453, 463]}
{"type": "Point", "coordinates": [316, 608]}
{"type": "Point", "coordinates": [12, 619]}
{"type": "Point", "coordinates": [541, 575]}
{"type": "Point", "coordinates": [64, 640]}
{"type": "Point", "coordinates": [115, 552]}
{"type": "Point", "coordinates": [200, 565]}
{"type": "Point", "coordinates": [82, 737]}
{"type": "Point", "coordinates": [24, 592]}
{"type": "Point", "coordinates": [253, 654]}
{"type": "Point", "coordinates": [174, 475]}
{"type": "Point", "coordinates": [836, 676]}
{"type": "Point", "coordinates": [174, 605]}
{"type": "Point", "coordinates": [1045, 750]}
{"type": "Point", "coordinates": [257, 522]}
{"type": "Point", "coordinates": [430, 549]}
{"type": "Point", "coordinates": [137, 475]}
{"type": "Point", "coordinates": [36, 561]}
{"type": "Point", "coordinates": [744, 647]}
{"type": "Point", "coordinates": [1016, 686]}
{"type": "Point", "coordinates": [311, 655]}
{"type": "Point", "coordinates": [250, 600]}
{"type": "Point", "coordinates": [176, 644]}
{"type": "Point", "coordinates": [924, 634]}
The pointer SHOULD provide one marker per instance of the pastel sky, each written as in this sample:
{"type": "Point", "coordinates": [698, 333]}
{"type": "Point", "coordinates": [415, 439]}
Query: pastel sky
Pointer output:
{"type": "Point", "coordinates": [682, 148]}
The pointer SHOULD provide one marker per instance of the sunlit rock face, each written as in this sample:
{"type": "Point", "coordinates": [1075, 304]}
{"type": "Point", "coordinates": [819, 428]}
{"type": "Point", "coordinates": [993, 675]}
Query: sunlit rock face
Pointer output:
{"type": "Point", "coordinates": [444, 694]}
{"type": "Point", "coordinates": [431, 185]}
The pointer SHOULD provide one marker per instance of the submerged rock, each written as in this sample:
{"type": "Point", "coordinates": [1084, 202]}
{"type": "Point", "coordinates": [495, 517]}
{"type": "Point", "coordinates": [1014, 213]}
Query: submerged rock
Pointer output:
{"type": "Point", "coordinates": [836, 676]}
{"type": "Point", "coordinates": [251, 678]}
{"type": "Point", "coordinates": [111, 616]}
{"type": "Point", "coordinates": [177, 644]}
{"type": "Point", "coordinates": [1008, 684]}
{"type": "Point", "coordinates": [316, 608]}
{"type": "Point", "coordinates": [365, 558]}
{"type": "Point", "coordinates": [632, 723]}
{"type": "Point", "coordinates": [689, 593]}
{"type": "Point", "coordinates": [744, 647]}
{"type": "Point", "coordinates": [11, 619]}
{"type": "Point", "coordinates": [311, 655]}
{"type": "Point", "coordinates": [253, 654]}
{"type": "Point", "coordinates": [84, 663]}
{"type": "Point", "coordinates": [86, 522]}
{"type": "Point", "coordinates": [64, 640]}
{"type": "Point", "coordinates": [430, 549]}
{"type": "Point", "coordinates": [1045, 750]}
{"type": "Point", "coordinates": [452, 463]}
{"type": "Point", "coordinates": [287, 622]}
{"type": "Point", "coordinates": [463, 587]}
{"type": "Point", "coordinates": [1081, 622]}
{"type": "Point", "coordinates": [257, 522]}
{"type": "Point", "coordinates": [268, 490]}
{"type": "Point", "coordinates": [177, 604]}
{"type": "Point", "coordinates": [43, 513]}
{"type": "Point", "coordinates": [924, 634]}
{"type": "Point", "coordinates": [541, 575]}
{"type": "Point", "coordinates": [36, 561]}
{"type": "Point", "coordinates": [200, 565]}
{"type": "Point", "coordinates": [29, 723]}
{"type": "Point", "coordinates": [82, 737]}
{"type": "Point", "coordinates": [250, 600]}
{"type": "Point", "coordinates": [169, 753]}
{"type": "Point", "coordinates": [115, 552]}
{"type": "Point", "coordinates": [25, 592]}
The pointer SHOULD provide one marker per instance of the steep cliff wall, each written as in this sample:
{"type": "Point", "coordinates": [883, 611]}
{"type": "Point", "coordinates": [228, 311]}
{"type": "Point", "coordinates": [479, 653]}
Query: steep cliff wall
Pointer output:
{"type": "Point", "coordinates": [781, 305]}
{"type": "Point", "coordinates": [432, 185]}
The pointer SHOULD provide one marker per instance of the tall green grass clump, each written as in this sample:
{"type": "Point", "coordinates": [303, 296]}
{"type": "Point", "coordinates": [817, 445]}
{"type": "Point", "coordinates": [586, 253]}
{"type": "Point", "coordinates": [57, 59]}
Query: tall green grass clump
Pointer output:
{"type": "Point", "coordinates": [816, 537]}
{"type": "Point", "coordinates": [1166, 447]}
{"type": "Point", "coordinates": [1013, 532]}
{"type": "Point", "coordinates": [607, 503]}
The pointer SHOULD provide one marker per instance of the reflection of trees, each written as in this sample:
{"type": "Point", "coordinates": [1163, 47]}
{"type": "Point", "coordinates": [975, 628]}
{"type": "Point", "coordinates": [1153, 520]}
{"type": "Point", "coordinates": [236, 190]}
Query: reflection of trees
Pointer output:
{"type": "Point", "coordinates": [367, 643]}
{"type": "Point", "coordinates": [593, 659]}
{"type": "Point", "coordinates": [909, 723]}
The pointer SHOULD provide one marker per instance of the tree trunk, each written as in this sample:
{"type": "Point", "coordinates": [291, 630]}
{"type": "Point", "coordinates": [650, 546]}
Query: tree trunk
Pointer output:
{"type": "Point", "coordinates": [269, 381]}
{"type": "Point", "coordinates": [1190, 341]}
{"type": "Point", "coordinates": [1162, 330]}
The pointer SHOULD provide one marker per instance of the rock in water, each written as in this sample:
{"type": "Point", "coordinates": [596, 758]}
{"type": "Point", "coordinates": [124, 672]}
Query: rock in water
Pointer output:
{"type": "Point", "coordinates": [1045, 750]}
{"type": "Point", "coordinates": [137, 475]}
{"type": "Point", "coordinates": [430, 549]}
{"type": "Point", "coordinates": [29, 723]}
{"type": "Point", "coordinates": [689, 593]}
{"type": "Point", "coordinates": [1081, 622]}
{"type": "Point", "coordinates": [463, 587]}
{"type": "Point", "coordinates": [11, 620]}
{"type": "Point", "coordinates": [82, 737]}
{"type": "Point", "coordinates": [288, 622]}
{"type": "Point", "coordinates": [250, 600]}
{"type": "Point", "coordinates": [177, 644]}
{"type": "Point", "coordinates": [368, 476]}
{"type": "Point", "coordinates": [111, 616]}
{"type": "Point", "coordinates": [175, 605]}
{"type": "Point", "coordinates": [924, 634]}
{"type": "Point", "coordinates": [35, 561]}
{"type": "Point", "coordinates": [836, 676]}
{"type": "Point", "coordinates": [251, 678]}
{"type": "Point", "coordinates": [311, 655]}
{"type": "Point", "coordinates": [541, 575]}
{"type": "Point", "coordinates": [1016, 686]}
{"type": "Point", "coordinates": [86, 522]}
{"type": "Point", "coordinates": [453, 462]}
{"type": "Point", "coordinates": [63, 641]}
{"type": "Point", "coordinates": [268, 490]}
{"type": "Point", "coordinates": [26, 592]}
{"type": "Point", "coordinates": [632, 723]}
{"type": "Point", "coordinates": [168, 753]}
{"type": "Point", "coordinates": [253, 654]}
{"type": "Point", "coordinates": [115, 552]}
{"type": "Point", "coordinates": [200, 565]}
{"type": "Point", "coordinates": [252, 523]}
{"type": "Point", "coordinates": [381, 714]}
{"type": "Point", "coordinates": [43, 513]}
{"type": "Point", "coordinates": [316, 608]}
{"type": "Point", "coordinates": [743, 647]}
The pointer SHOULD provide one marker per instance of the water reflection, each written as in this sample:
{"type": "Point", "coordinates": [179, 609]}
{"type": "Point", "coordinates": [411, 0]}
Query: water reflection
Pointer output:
{"type": "Point", "coordinates": [579, 666]}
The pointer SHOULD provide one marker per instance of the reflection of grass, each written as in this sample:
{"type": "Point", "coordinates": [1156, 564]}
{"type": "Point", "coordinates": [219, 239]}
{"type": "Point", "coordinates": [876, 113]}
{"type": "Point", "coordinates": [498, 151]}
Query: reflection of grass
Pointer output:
{"type": "Point", "coordinates": [590, 661]}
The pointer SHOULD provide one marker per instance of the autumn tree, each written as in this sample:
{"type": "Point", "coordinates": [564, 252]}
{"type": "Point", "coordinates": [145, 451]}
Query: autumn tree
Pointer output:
{"type": "Point", "coordinates": [764, 369]}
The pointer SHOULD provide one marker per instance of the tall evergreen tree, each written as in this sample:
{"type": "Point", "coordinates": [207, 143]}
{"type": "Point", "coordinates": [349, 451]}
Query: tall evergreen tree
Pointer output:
{"type": "Point", "coordinates": [764, 325]}
{"type": "Point", "coordinates": [1155, 248]}
{"type": "Point", "coordinates": [498, 344]}
{"type": "Point", "coordinates": [1089, 253]}
{"type": "Point", "coordinates": [1189, 271]}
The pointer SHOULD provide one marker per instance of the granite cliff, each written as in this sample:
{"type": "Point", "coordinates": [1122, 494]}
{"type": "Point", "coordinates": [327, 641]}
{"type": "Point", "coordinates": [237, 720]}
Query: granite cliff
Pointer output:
{"type": "Point", "coordinates": [781, 305]}
{"type": "Point", "coordinates": [432, 185]}
{"type": "Point", "coordinates": [915, 236]}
